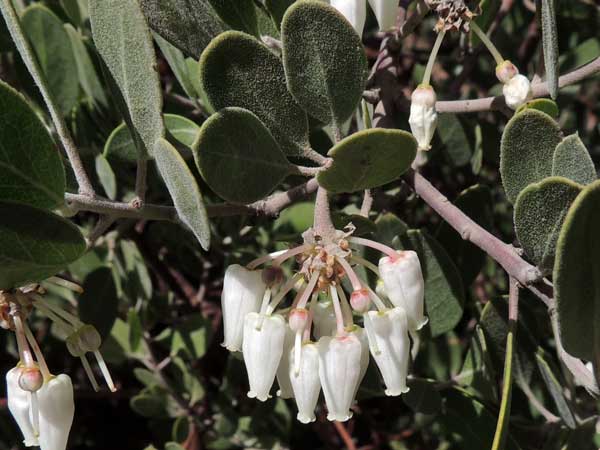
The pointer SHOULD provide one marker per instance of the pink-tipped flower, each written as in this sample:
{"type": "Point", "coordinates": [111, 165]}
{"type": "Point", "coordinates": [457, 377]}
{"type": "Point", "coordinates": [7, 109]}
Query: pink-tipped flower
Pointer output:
{"type": "Point", "coordinates": [31, 379]}
{"type": "Point", "coordinates": [339, 372]}
{"type": "Point", "coordinates": [298, 319]}
{"type": "Point", "coordinates": [305, 382]}
{"type": "Point", "coordinates": [385, 12]}
{"type": "Point", "coordinates": [19, 406]}
{"type": "Point", "coordinates": [390, 347]}
{"type": "Point", "coordinates": [506, 71]}
{"type": "Point", "coordinates": [263, 341]}
{"type": "Point", "coordinates": [361, 335]}
{"type": "Point", "coordinates": [355, 11]}
{"type": "Point", "coordinates": [243, 291]}
{"type": "Point", "coordinates": [57, 410]}
{"type": "Point", "coordinates": [360, 301]}
{"type": "Point", "coordinates": [423, 116]}
{"type": "Point", "coordinates": [405, 286]}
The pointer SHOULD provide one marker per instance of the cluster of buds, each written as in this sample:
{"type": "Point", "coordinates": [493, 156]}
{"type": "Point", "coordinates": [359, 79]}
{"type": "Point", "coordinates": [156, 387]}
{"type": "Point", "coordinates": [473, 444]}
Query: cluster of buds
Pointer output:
{"type": "Point", "coordinates": [313, 342]}
{"type": "Point", "coordinates": [454, 15]}
{"type": "Point", "coordinates": [355, 11]}
{"type": "Point", "coordinates": [41, 403]}
{"type": "Point", "coordinates": [517, 87]}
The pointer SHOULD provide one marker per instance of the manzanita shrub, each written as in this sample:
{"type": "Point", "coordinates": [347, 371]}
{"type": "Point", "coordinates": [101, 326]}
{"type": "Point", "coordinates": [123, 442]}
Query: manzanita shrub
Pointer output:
{"type": "Point", "coordinates": [299, 224]}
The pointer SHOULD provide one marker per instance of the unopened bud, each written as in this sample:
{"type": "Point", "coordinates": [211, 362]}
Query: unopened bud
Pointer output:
{"type": "Point", "coordinates": [360, 301]}
{"type": "Point", "coordinates": [31, 379]}
{"type": "Point", "coordinates": [506, 71]}
{"type": "Point", "coordinates": [517, 91]}
{"type": "Point", "coordinates": [89, 338]}
{"type": "Point", "coordinates": [423, 116]}
{"type": "Point", "coordinates": [272, 276]}
{"type": "Point", "coordinates": [298, 319]}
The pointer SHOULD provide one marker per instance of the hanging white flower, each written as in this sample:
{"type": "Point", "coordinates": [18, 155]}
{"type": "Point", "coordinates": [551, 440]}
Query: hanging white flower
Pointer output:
{"type": "Point", "coordinates": [306, 383]}
{"type": "Point", "coordinates": [361, 335]}
{"type": "Point", "coordinates": [339, 372]}
{"type": "Point", "coordinates": [56, 412]}
{"type": "Point", "coordinates": [517, 91]}
{"type": "Point", "coordinates": [385, 12]}
{"type": "Point", "coordinates": [405, 286]}
{"type": "Point", "coordinates": [19, 406]}
{"type": "Point", "coordinates": [283, 372]}
{"type": "Point", "coordinates": [355, 11]}
{"type": "Point", "coordinates": [262, 349]}
{"type": "Point", "coordinates": [323, 320]}
{"type": "Point", "coordinates": [423, 116]}
{"type": "Point", "coordinates": [390, 347]}
{"type": "Point", "coordinates": [243, 291]}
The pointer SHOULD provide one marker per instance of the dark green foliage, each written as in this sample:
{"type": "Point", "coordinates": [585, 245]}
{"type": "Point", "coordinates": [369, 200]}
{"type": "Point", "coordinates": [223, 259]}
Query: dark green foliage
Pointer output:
{"type": "Point", "coordinates": [238, 157]}
{"type": "Point", "coordinates": [572, 160]}
{"type": "Point", "coordinates": [324, 60]}
{"type": "Point", "coordinates": [237, 70]}
{"type": "Point", "coordinates": [368, 159]}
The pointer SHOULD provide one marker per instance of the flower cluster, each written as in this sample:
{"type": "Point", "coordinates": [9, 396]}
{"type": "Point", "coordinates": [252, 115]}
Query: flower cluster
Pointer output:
{"type": "Point", "coordinates": [41, 403]}
{"type": "Point", "coordinates": [355, 11]}
{"type": "Point", "coordinates": [314, 343]}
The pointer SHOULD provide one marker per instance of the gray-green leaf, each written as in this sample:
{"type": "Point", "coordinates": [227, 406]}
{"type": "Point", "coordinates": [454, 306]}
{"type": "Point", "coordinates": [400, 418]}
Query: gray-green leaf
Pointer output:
{"type": "Point", "coordinates": [550, 45]}
{"type": "Point", "coordinates": [184, 191]}
{"type": "Point", "coordinates": [444, 292]}
{"type": "Point", "coordinates": [52, 47]}
{"type": "Point", "coordinates": [35, 244]}
{"type": "Point", "coordinates": [32, 171]}
{"type": "Point", "coordinates": [238, 157]}
{"type": "Point", "coordinates": [325, 63]}
{"type": "Point", "coordinates": [368, 159]}
{"type": "Point", "coordinates": [237, 70]}
{"type": "Point", "coordinates": [106, 176]}
{"type": "Point", "coordinates": [123, 39]}
{"type": "Point", "coordinates": [540, 210]}
{"type": "Point", "coordinates": [527, 150]}
{"type": "Point", "coordinates": [572, 160]}
{"type": "Point", "coordinates": [187, 24]}
{"type": "Point", "coordinates": [577, 276]}
{"type": "Point", "coordinates": [98, 305]}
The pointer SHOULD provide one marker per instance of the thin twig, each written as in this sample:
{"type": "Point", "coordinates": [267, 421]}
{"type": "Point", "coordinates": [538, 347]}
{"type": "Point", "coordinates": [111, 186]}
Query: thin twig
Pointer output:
{"type": "Point", "coordinates": [343, 432]}
{"type": "Point", "coordinates": [538, 89]}
{"type": "Point", "coordinates": [367, 203]}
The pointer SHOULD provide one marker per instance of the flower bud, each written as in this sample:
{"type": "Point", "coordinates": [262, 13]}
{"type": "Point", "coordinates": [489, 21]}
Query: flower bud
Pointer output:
{"type": "Point", "coordinates": [283, 370]}
{"type": "Point", "coordinates": [262, 349]}
{"type": "Point", "coordinates": [506, 71]}
{"type": "Point", "coordinates": [89, 338]}
{"type": "Point", "coordinates": [517, 91]}
{"type": "Point", "coordinates": [390, 347]}
{"type": "Point", "coordinates": [355, 11]}
{"type": "Point", "coordinates": [405, 286]}
{"type": "Point", "coordinates": [360, 301]}
{"type": "Point", "coordinates": [56, 412]}
{"type": "Point", "coordinates": [272, 276]}
{"type": "Point", "coordinates": [31, 379]}
{"type": "Point", "coordinates": [18, 402]}
{"type": "Point", "coordinates": [298, 319]}
{"type": "Point", "coordinates": [423, 116]}
{"type": "Point", "coordinates": [385, 12]}
{"type": "Point", "coordinates": [339, 372]}
{"type": "Point", "coordinates": [323, 319]}
{"type": "Point", "coordinates": [305, 383]}
{"type": "Point", "coordinates": [243, 290]}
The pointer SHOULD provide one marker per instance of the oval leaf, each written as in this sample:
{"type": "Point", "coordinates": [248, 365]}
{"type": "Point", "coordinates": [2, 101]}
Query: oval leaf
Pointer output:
{"type": "Point", "coordinates": [368, 159]}
{"type": "Point", "coordinates": [325, 63]}
{"type": "Point", "coordinates": [184, 191]}
{"type": "Point", "coordinates": [52, 46]}
{"type": "Point", "coordinates": [98, 305]}
{"type": "Point", "coordinates": [35, 244]}
{"type": "Point", "coordinates": [544, 105]}
{"type": "Point", "coordinates": [238, 157]}
{"type": "Point", "coordinates": [577, 275]}
{"type": "Point", "coordinates": [187, 24]}
{"type": "Point", "coordinates": [237, 70]}
{"type": "Point", "coordinates": [540, 210]}
{"type": "Point", "coordinates": [123, 39]}
{"type": "Point", "coordinates": [32, 171]}
{"type": "Point", "coordinates": [526, 150]}
{"type": "Point", "coordinates": [120, 147]}
{"type": "Point", "coordinates": [444, 292]}
{"type": "Point", "coordinates": [572, 160]}
{"type": "Point", "coordinates": [550, 45]}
